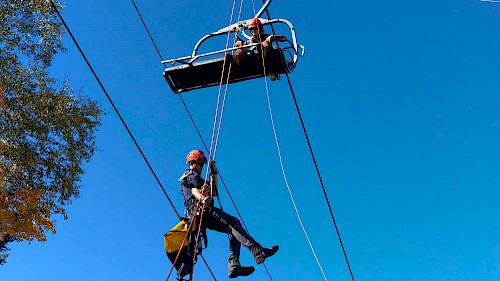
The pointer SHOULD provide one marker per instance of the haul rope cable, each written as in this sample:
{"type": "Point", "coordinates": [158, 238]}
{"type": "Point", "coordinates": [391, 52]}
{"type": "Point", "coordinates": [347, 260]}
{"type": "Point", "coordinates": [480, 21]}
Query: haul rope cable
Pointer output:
{"type": "Point", "coordinates": [315, 163]}
{"type": "Point", "coordinates": [288, 186]}
{"type": "Point", "coordinates": [113, 105]}
{"type": "Point", "coordinates": [279, 155]}
{"type": "Point", "coordinates": [120, 117]}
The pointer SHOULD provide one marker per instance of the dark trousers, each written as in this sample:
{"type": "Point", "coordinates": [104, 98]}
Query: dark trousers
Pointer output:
{"type": "Point", "coordinates": [218, 220]}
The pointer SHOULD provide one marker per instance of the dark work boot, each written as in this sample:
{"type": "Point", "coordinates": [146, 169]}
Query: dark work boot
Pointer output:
{"type": "Point", "coordinates": [263, 254]}
{"type": "Point", "coordinates": [238, 270]}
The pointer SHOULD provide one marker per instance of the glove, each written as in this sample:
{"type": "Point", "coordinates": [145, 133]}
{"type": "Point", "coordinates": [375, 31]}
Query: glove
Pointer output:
{"type": "Point", "coordinates": [206, 201]}
{"type": "Point", "coordinates": [213, 167]}
{"type": "Point", "coordinates": [205, 189]}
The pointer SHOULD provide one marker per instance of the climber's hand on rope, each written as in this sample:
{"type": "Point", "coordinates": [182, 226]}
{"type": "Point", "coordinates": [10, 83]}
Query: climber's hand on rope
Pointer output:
{"type": "Point", "coordinates": [206, 200]}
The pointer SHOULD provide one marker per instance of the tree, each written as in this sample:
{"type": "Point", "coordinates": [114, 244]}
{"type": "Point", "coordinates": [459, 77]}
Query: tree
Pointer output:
{"type": "Point", "coordinates": [3, 247]}
{"type": "Point", "coordinates": [47, 131]}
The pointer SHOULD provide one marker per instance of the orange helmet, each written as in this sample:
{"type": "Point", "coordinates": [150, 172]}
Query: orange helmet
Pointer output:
{"type": "Point", "coordinates": [255, 23]}
{"type": "Point", "coordinates": [196, 156]}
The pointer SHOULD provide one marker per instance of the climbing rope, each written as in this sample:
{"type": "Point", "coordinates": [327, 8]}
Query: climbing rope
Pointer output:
{"type": "Point", "coordinates": [228, 74]}
{"type": "Point", "coordinates": [280, 158]}
{"type": "Point", "coordinates": [217, 123]}
{"type": "Point", "coordinates": [287, 185]}
{"type": "Point", "coordinates": [180, 248]}
{"type": "Point", "coordinates": [314, 160]}
{"type": "Point", "coordinates": [215, 130]}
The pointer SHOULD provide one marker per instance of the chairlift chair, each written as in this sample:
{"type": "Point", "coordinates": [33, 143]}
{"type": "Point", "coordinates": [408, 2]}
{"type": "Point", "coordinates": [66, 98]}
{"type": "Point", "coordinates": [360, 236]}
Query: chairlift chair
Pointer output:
{"type": "Point", "coordinates": [190, 73]}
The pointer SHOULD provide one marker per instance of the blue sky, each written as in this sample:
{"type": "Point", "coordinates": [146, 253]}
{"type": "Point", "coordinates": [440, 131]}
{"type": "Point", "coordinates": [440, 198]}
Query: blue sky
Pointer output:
{"type": "Point", "coordinates": [401, 100]}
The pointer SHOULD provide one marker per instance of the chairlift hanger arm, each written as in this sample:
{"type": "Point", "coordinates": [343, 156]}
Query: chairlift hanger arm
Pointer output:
{"type": "Point", "coordinates": [264, 7]}
{"type": "Point", "coordinates": [241, 26]}
{"type": "Point", "coordinates": [234, 27]}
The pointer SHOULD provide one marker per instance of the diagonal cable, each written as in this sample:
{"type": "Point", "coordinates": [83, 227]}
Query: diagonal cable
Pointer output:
{"type": "Point", "coordinates": [121, 118]}
{"type": "Point", "coordinates": [147, 30]}
{"type": "Point", "coordinates": [315, 163]}
{"type": "Point", "coordinates": [113, 105]}
{"type": "Point", "coordinates": [281, 159]}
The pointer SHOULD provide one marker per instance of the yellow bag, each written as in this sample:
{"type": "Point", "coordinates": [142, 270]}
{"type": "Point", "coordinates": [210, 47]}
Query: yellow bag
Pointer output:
{"type": "Point", "coordinates": [172, 240]}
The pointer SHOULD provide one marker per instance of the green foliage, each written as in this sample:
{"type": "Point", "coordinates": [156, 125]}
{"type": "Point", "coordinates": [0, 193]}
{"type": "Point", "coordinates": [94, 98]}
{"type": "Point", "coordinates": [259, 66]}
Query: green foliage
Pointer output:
{"type": "Point", "coordinates": [46, 130]}
{"type": "Point", "coordinates": [3, 247]}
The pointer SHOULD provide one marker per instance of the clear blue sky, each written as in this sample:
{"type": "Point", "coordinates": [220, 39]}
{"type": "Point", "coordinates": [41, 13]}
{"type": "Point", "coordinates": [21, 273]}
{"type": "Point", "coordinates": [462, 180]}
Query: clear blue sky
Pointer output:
{"type": "Point", "coordinates": [401, 100]}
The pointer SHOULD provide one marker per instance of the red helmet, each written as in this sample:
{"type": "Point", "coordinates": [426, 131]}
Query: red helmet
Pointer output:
{"type": "Point", "coordinates": [196, 156]}
{"type": "Point", "coordinates": [255, 23]}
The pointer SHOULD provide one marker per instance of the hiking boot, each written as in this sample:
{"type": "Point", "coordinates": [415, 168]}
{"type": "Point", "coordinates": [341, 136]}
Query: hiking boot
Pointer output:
{"type": "Point", "coordinates": [239, 270]}
{"type": "Point", "coordinates": [263, 254]}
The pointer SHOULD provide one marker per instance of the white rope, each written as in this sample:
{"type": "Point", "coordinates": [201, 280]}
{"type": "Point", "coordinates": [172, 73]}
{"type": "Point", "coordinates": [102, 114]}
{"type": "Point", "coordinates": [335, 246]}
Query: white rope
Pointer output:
{"type": "Point", "coordinates": [283, 168]}
{"type": "Point", "coordinates": [214, 144]}
{"type": "Point", "coordinates": [253, 6]}
{"type": "Point", "coordinates": [217, 124]}
{"type": "Point", "coordinates": [228, 74]}
{"type": "Point", "coordinates": [288, 186]}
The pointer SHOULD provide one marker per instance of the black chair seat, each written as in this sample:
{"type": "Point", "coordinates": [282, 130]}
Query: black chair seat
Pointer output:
{"type": "Point", "coordinates": [183, 78]}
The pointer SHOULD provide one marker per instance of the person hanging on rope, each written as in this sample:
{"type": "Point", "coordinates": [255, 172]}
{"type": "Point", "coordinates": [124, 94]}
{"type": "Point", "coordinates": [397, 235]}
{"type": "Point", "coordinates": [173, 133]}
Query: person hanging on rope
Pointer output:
{"type": "Point", "coordinates": [196, 192]}
{"type": "Point", "coordinates": [258, 36]}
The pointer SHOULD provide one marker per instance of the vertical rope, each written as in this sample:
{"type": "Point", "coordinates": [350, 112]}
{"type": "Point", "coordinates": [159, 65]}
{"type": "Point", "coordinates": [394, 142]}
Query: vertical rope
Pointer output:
{"type": "Point", "coordinates": [180, 248]}
{"type": "Point", "coordinates": [280, 157]}
{"type": "Point", "coordinates": [315, 164]}
{"type": "Point", "coordinates": [216, 127]}
{"type": "Point", "coordinates": [213, 147]}
{"type": "Point", "coordinates": [288, 187]}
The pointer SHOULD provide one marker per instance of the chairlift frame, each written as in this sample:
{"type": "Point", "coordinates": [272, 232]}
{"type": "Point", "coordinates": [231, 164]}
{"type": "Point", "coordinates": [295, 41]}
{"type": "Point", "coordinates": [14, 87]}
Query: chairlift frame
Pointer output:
{"type": "Point", "coordinates": [192, 74]}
